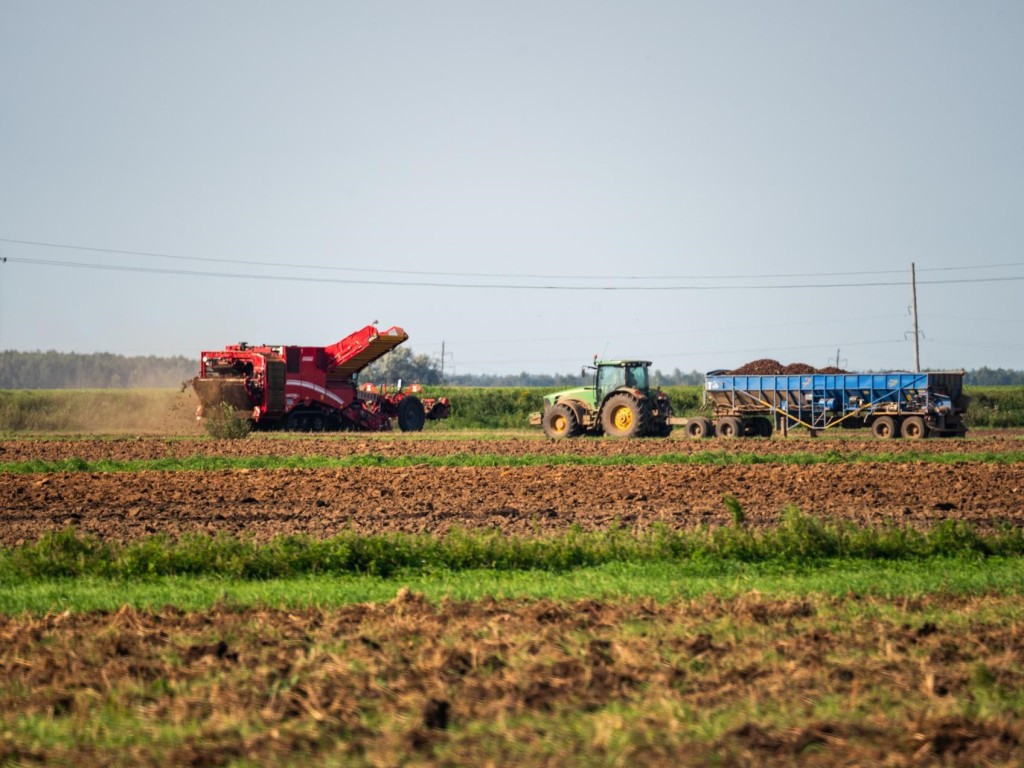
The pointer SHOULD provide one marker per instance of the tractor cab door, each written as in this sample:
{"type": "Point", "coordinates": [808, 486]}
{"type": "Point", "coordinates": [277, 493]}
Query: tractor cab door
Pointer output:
{"type": "Point", "coordinates": [609, 378]}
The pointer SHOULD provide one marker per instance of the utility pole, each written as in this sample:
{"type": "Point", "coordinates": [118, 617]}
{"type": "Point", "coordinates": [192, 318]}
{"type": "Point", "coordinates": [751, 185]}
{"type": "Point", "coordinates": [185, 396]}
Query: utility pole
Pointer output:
{"type": "Point", "coordinates": [442, 361]}
{"type": "Point", "coordinates": [913, 310]}
{"type": "Point", "coordinates": [3, 260]}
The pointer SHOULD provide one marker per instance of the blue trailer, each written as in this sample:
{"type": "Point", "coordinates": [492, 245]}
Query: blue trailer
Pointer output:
{"type": "Point", "coordinates": [890, 404]}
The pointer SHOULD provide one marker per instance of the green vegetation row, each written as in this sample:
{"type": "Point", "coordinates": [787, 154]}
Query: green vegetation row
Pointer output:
{"type": "Point", "coordinates": [661, 581]}
{"type": "Point", "coordinates": [995, 406]}
{"type": "Point", "coordinates": [798, 541]}
{"type": "Point", "coordinates": [704, 458]}
{"type": "Point", "coordinates": [171, 410]}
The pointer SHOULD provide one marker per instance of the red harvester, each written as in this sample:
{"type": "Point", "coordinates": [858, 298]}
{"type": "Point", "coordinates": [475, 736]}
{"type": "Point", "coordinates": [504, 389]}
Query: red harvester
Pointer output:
{"type": "Point", "coordinates": [313, 388]}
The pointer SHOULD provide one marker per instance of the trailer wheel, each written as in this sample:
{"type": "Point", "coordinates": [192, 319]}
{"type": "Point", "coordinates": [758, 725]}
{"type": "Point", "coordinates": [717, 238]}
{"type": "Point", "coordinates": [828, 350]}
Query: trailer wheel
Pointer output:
{"type": "Point", "coordinates": [884, 428]}
{"type": "Point", "coordinates": [699, 428]}
{"type": "Point", "coordinates": [760, 427]}
{"type": "Point", "coordinates": [560, 422]}
{"type": "Point", "coordinates": [730, 427]}
{"type": "Point", "coordinates": [410, 414]}
{"type": "Point", "coordinates": [913, 428]}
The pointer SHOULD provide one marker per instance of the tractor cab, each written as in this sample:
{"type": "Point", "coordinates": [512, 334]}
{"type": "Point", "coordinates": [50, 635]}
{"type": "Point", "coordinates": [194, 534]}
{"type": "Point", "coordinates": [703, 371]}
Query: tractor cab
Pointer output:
{"type": "Point", "coordinates": [615, 374]}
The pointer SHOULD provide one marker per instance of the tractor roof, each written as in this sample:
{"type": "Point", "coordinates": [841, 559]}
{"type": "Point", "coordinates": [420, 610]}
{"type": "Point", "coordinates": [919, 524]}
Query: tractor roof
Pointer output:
{"type": "Point", "coordinates": [622, 363]}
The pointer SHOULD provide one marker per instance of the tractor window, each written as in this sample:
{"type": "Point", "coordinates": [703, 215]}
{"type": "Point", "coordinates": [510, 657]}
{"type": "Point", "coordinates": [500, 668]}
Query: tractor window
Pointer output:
{"type": "Point", "coordinates": [636, 376]}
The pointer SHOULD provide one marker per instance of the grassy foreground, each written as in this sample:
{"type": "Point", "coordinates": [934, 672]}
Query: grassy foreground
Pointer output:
{"type": "Point", "coordinates": [703, 458]}
{"type": "Point", "coordinates": [749, 678]}
{"type": "Point", "coordinates": [813, 643]}
{"type": "Point", "coordinates": [948, 576]}
{"type": "Point", "coordinates": [69, 571]}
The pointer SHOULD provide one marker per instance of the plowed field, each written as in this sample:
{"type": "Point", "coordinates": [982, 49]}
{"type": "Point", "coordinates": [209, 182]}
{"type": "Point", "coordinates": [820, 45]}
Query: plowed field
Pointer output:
{"type": "Point", "coordinates": [750, 681]}
{"type": "Point", "coordinates": [516, 500]}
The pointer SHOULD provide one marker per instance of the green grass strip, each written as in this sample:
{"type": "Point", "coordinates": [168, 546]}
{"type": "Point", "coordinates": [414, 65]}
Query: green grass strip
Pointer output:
{"type": "Point", "coordinates": [797, 541]}
{"type": "Point", "coordinates": [704, 458]}
{"type": "Point", "coordinates": [660, 581]}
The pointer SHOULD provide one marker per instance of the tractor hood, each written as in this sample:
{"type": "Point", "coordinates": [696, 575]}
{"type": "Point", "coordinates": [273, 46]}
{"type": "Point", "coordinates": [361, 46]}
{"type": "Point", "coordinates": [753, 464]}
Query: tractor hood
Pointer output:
{"type": "Point", "coordinates": [585, 394]}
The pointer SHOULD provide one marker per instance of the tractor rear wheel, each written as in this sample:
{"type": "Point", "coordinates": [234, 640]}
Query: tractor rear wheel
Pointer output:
{"type": "Point", "coordinates": [659, 429]}
{"type": "Point", "coordinates": [410, 414]}
{"type": "Point", "coordinates": [560, 421]}
{"type": "Point", "coordinates": [624, 415]}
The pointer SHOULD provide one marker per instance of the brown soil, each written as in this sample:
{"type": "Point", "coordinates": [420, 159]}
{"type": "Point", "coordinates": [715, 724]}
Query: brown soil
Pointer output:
{"type": "Point", "coordinates": [522, 500]}
{"type": "Point", "coordinates": [449, 444]}
{"type": "Point", "coordinates": [744, 682]}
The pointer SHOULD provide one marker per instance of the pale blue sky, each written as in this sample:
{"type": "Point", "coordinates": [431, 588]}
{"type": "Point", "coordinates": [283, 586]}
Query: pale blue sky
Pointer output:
{"type": "Point", "coordinates": [495, 162]}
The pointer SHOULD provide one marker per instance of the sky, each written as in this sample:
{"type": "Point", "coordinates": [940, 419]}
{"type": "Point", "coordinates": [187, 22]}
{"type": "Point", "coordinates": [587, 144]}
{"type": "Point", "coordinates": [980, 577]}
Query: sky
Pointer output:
{"type": "Point", "coordinates": [519, 185]}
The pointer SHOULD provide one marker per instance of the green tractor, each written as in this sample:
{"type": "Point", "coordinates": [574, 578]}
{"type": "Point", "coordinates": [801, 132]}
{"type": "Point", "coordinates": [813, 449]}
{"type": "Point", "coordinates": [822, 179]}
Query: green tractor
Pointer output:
{"type": "Point", "coordinates": [620, 403]}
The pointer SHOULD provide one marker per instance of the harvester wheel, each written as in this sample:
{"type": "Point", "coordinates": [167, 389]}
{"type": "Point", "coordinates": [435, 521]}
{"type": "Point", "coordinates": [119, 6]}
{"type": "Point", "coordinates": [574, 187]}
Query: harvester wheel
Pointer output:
{"type": "Point", "coordinates": [699, 428]}
{"type": "Point", "coordinates": [624, 416]}
{"type": "Point", "coordinates": [729, 426]}
{"type": "Point", "coordinates": [410, 414]}
{"type": "Point", "coordinates": [560, 421]}
{"type": "Point", "coordinates": [913, 428]}
{"type": "Point", "coordinates": [884, 428]}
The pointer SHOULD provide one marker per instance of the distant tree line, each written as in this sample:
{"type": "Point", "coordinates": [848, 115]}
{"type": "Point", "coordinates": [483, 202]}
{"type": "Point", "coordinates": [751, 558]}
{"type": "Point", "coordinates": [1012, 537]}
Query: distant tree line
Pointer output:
{"type": "Point", "coordinates": [994, 377]}
{"type": "Point", "coordinates": [102, 370]}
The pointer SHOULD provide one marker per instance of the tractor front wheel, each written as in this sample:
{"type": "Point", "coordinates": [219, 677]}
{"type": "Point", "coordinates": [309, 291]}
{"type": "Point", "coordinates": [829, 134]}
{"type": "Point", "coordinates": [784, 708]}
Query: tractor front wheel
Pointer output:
{"type": "Point", "coordinates": [624, 416]}
{"type": "Point", "coordinates": [560, 421]}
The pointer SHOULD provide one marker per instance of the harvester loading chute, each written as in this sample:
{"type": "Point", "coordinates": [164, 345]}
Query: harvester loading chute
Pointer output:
{"type": "Point", "coordinates": [312, 388]}
{"type": "Point", "coordinates": [357, 350]}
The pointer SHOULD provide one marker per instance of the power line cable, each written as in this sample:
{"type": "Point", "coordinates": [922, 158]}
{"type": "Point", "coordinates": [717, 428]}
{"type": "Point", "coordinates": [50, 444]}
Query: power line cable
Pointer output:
{"type": "Point", "coordinates": [692, 329]}
{"type": "Point", "coordinates": [497, 286]}
{"type": "Point", "coordinates": [973, 319]}
{"type": "Point", "coordinates": [694, 353]}
{"type": "Point", "coordinates": [985, 344]}
{"type": "Point", "coordinates": [548, 276]}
